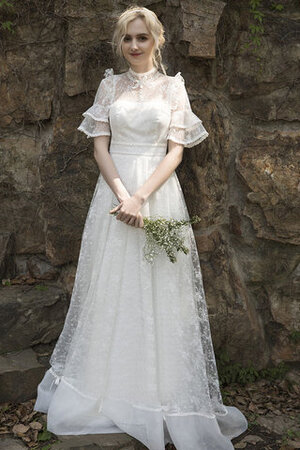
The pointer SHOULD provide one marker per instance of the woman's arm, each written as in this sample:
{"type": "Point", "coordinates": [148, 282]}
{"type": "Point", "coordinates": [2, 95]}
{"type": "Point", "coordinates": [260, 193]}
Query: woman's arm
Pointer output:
{"type": "Point", "coordinates": [162, 172]}
{"type": "Point", "coordinates": [108, 168]}
{"type": "Point", "coordinates": [130, 207]}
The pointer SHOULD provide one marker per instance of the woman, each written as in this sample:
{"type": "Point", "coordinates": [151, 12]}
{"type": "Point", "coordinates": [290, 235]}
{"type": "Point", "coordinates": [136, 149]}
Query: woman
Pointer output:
{"type": "Point", "coordinates": [135, 354]}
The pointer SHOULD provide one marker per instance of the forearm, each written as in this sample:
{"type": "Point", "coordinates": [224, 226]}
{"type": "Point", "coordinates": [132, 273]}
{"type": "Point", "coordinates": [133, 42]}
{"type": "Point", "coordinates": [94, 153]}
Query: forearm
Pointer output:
{"type": "Point", "coordinates": [108, 168]}
{"type": "Point", "coordinates": [162, 172]}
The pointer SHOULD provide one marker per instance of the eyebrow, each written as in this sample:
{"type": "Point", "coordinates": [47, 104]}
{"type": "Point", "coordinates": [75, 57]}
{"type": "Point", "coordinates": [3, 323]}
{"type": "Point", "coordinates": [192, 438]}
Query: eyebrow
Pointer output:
{"type": "Point", "coordinates": [140, 34]}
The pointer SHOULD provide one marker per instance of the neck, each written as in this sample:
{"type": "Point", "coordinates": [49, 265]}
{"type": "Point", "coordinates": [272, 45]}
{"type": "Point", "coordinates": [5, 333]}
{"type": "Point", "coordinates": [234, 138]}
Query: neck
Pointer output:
{"type": "Point", "coordinates": [145, 74]}
{"type": "Point", "coordinates": [141, 70]}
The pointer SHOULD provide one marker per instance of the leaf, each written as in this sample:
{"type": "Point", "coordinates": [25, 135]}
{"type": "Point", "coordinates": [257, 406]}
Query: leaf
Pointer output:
{"type": "Point", "coordinates": [45, 435]}
{"type": "Point", "coordinates": [20, 429]}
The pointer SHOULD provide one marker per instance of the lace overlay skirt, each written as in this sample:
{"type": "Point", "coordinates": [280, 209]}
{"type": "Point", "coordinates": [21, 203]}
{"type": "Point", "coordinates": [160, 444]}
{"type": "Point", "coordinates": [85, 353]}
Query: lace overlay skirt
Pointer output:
{"type": "Point", "coordinates": [135, 354]}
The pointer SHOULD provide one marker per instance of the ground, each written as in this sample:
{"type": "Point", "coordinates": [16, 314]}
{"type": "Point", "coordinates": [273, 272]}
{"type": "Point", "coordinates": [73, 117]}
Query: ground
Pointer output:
{"type": "Point", "coordinates": [271, 408]}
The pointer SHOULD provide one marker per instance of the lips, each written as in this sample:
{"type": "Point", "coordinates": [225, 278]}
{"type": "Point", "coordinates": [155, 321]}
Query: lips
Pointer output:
{"type": "Point", "coordinates": [135, 54]}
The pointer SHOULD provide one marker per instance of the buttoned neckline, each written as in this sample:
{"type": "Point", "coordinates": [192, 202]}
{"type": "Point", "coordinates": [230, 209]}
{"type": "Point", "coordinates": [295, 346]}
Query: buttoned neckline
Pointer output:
{"type": "Point", "coordinates": [142, 76]}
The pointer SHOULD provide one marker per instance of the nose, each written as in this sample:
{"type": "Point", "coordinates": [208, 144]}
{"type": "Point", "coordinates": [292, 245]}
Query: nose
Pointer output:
{"type": "Point", "coordinates": [134, 44]}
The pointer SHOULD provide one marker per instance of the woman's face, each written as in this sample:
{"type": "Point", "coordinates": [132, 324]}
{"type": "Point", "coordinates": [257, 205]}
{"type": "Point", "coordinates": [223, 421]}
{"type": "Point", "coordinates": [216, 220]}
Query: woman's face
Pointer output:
{"type": "Point", "coordinates": [138, 40]}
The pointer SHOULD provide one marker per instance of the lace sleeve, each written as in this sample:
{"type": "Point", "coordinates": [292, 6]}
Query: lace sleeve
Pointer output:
{"type": "Point", "coordinates": [185, 127]}
{"type": "Point", "coordinates": [96, 118]}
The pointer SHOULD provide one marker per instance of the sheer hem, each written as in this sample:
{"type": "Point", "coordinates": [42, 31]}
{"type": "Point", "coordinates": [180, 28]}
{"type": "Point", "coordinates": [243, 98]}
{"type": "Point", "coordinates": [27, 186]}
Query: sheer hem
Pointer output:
{"type": "Point", "coordinates": [188, 139]}
{"type": "Point", "coordinates": [97, 112]}
{"type": "Point", "coordinates": [90, 134]}
{"type": "Point", "coordinates": [71, 413]}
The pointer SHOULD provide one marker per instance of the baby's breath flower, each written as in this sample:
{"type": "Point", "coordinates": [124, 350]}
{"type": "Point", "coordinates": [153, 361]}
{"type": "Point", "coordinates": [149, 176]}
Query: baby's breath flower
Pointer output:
{"type": "Point", "coordinates": [165, 235]}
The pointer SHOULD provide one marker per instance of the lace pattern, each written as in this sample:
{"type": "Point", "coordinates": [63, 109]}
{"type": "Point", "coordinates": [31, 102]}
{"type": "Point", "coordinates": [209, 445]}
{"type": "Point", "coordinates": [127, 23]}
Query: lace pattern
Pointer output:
{"type": "Point", "coordinates": [168, 93]}
{"type": "Point", "coordinates": [185, 127]}
{"type": "Point", "coordinates": [92, 321]}
{"type": "Point", "coordinates": [136, 325]}
{"type": "Point", "coordinates": [96, 118]}
{"type": "Point", "coordinates": [135, 353]}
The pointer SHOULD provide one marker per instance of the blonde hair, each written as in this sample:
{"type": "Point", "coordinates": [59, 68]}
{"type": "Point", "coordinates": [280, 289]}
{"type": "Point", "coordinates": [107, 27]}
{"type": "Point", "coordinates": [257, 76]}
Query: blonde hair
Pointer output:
{"type": "Point", "coordinates": [153, 24]}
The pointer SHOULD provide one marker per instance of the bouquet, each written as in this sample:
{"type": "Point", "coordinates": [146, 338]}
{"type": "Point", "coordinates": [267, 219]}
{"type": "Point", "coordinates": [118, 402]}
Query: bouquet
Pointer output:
{"type": "Point", "coordinates": [165, 235]}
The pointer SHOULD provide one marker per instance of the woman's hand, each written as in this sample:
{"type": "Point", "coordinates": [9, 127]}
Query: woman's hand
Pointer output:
{"type": "Point", "coordinates": [129, 211]}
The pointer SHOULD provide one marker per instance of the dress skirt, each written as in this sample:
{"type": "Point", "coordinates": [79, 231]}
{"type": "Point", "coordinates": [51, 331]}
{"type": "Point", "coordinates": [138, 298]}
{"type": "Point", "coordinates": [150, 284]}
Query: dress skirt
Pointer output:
{"type": "Point", "coordinates": [135, 354]}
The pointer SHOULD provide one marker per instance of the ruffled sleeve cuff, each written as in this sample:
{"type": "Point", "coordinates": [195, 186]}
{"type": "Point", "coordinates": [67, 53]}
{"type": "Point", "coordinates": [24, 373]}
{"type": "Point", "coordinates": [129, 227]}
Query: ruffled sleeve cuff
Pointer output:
{"type": "Point", "coordinates": [185, 127]}
{"type": "Point", "coordinates": [96, 118]}
{"type": "Point", "coordinates": [95, 122]}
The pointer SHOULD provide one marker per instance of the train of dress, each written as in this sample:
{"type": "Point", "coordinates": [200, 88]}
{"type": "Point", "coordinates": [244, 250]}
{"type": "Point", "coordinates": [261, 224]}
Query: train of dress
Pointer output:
{"type": "Point", "coordinates": [73, 413]}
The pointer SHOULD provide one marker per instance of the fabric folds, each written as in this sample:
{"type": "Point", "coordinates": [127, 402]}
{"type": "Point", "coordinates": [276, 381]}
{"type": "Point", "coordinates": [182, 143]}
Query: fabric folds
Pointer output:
{"type": "Point", "coordinates": [185, 127]}
{"type": "Point", "coordinates": [135, 354]}
{"type": "Point", "coordinates": [71, 413]}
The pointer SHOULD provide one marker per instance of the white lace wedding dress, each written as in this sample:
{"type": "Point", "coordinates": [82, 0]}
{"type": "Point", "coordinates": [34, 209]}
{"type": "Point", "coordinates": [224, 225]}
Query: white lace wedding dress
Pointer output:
{"type": "Point", "coordinates": [135, 354]}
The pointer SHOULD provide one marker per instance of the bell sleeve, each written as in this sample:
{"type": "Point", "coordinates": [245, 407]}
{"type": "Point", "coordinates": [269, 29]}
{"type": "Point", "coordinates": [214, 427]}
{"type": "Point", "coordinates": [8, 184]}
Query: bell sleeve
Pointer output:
{"type": "Point", "coordinates": [96, 118]}
{"type": "Point", "coordinates": [185, 127]}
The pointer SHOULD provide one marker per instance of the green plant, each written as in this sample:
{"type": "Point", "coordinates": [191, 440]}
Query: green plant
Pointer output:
{"type": "Point", "coordinates": [225, 395]}
{"type": "Point", "coordinates": [290, 434]}
{"type": "Point", "coordinates": [294, 336]}
{"type": "Point", "coordinates": [252, 420]}
{"type": "Point", "coordinates": [164, 235]}
{"type": "Point", "coordinates": [6, 6]}
{"type": "Point", "coordinates": [277, 6]}
{"type": "Point", "coordinates": [44, 434]}
{"type": "Point", "coordinates": [256, 26]}
{"type": "Point", "coordinates": [273, 373]}
{"type": "Point", "coordinates": [230, 372]}
{"type": "Point", "coordinates": [41, 287]}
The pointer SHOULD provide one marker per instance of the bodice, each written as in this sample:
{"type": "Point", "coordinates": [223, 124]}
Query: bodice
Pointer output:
{"type": "Point", "coordinates": [143, 109]}
{"type": "Point", "coordinates": [142, 124]}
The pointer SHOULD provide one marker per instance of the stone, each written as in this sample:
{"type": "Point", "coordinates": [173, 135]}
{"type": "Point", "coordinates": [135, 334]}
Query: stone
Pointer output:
{"type": "Point", "coordinates": [7, 443]}
{"type": "Point", "coordinates": [30, 71]}
{"type": "Point", "coordinates": [111, 441]}
{"type": "Point", "coordinates": [20, 373]}
{"type": "Point", "coordinates": [230, 309]}
{"type": "Point", "coordinates": [202, 173]}
{"type": "Point", "coordinates": [82, 68]}
{"type": "Point", "coordinates": [293, 376]}
{"type": "Point", "coordinates": [19, 175]}
{"type": "Point", "coordinates": [31, 315]}
{"type": "Point", "coordinates": [259, 85]}
{"type": "Point", "coordinates": [242, 180]}
{"type": "Point", "coordinates": [266, 166]}
{"type": "Point", "coordinates": [199, 25]}
{"type": "Point", "coordinates": [7, 250]}
{"type": "Point", "coordinates": [40, 268]}
{"type": "Point", "coordinates": [293, 444]}
{"type": "Point", "coordinates": [252, 439]}
{"type": "Point", "coordinates": [276, 424]}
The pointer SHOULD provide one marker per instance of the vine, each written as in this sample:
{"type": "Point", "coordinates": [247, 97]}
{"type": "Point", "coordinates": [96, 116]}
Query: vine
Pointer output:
{"type": "Point", "coordinates": [256, 27]}
{"type": "Point", "coordinates": [6, 6]}
{"type": "Point", "coordinates": [295, 337]}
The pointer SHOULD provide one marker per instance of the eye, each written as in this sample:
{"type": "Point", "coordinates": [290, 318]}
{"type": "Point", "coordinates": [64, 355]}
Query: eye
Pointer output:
{"type": "Point", "coordinates": [142, 38]}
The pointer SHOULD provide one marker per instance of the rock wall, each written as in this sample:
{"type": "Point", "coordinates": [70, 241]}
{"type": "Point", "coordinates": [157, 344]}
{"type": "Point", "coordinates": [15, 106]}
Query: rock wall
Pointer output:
{"type": "Point", "coordinates": [243, 180]}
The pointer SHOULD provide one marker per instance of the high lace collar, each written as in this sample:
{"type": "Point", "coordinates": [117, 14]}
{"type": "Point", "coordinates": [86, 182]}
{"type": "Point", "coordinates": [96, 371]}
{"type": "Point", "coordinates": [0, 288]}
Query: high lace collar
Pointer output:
{"type": "Point", "coordinates": [142, 76]}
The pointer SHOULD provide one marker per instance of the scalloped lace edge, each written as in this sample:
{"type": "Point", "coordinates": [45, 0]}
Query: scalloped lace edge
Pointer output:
{"type": "Point", "coordinates": [89, 135]}
{"type": "Point", "coordinates": [98, 119]}
{"type": "Point", "coordinates": [190, 143]}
